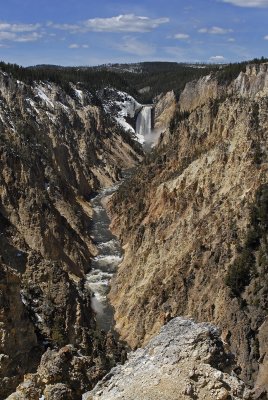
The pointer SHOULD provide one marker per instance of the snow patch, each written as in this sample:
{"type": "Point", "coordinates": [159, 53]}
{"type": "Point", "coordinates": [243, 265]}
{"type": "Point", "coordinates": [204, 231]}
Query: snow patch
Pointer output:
{"type": "Point", "coordinates": [23, 298]}
{"type": "Point", "coordinates": [33, 105]}
{"type": "Point", "coordinates": [43, 96]}
{"type": "Point", "coordinates": [51, 117]}
{"type": "Point", "coordinates": [38, 317]}
{"type": "Point", "coordinates": [64, 107]}
{"type": "Point", "coordinates": [121, 106]}
{"type": "Point", "coordinates": [122, 122]}
{"type": "Point", "coordinates": [79, 94]}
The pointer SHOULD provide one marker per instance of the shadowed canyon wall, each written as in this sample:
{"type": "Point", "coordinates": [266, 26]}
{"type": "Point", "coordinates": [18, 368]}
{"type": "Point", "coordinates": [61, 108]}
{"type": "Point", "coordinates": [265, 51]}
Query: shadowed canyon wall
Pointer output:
{"type": "Point", "coordinates": [57, 148]}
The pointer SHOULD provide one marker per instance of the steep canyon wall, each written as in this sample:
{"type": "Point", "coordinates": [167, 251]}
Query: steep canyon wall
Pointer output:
{"type": "Point", "coordinates": [57, 148]}
{"type": "Point", "coordinates": [193, 222]}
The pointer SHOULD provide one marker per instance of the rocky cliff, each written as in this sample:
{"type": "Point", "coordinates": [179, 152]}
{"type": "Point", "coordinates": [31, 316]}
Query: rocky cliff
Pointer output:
{"type": "Point", "coordinates": [193, 222]}
{"type": "Point", "coordinates": [58, 146]}
{"type": "Point", "coordinates": [165, 105]}
{"type": "Point", "coordinates": [184, 361]}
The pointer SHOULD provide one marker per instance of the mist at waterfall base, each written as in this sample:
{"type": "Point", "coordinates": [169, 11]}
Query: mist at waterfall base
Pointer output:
{"type": "Point", "coordinates": [151, 139]}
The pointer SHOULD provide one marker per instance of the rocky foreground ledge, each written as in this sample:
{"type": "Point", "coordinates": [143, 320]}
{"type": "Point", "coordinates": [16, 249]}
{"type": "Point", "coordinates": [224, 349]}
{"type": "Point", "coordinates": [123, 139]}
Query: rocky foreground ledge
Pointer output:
{"type": "Point", "coordinates": [185, 360]}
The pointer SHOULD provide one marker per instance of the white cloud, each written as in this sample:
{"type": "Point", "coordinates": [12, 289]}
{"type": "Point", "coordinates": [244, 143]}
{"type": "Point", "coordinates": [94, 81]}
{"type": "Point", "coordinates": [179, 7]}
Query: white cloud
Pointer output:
{"type": "Point", "coordinates": [120, 23]}
{"type": "Point", "coordinates": [217, 59]}
{"type": "Point", "coordinates": [19, 27]}
{"type": "Point", "coordinates": [181, 36]}
{"type": "Point", "coordinates": [265, 37]}
{"type": "Point", "coordinates": [7, 36]}
{"type": "Point", "coordinates": [134, 46]}
{"type": "Point", "coordinates": [64, 27]}
{"type": "Point", "coordinates": [248, 3]}
{"type": "Point", "coordinates": [78, 46]}
{"type": "Point", "coordinates": [215, 30]}
{"type": "Point", "coordinates": [28, 38]}
{"type": "Point", "coordinates": [19, 32]}
{"type": "Point", "coordinates": [231, 40]}
{"type": "Point", "coordinates": [124, 23]}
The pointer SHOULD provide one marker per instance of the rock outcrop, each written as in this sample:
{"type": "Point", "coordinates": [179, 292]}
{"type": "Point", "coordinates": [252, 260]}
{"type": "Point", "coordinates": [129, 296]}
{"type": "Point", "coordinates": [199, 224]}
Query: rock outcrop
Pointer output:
{"type": "Point", "coordinates": [184, 361]}
{"type": "Point", "coordinates": [68, 372]}
{"type": "Point", "coordinates": [193, 222]}
{"type": "Point", "coordinates": [164, 109]}
{"type": "Point", "coordinates": [198, 93]}
{"type": "Point", "coordinates": [253, 82]}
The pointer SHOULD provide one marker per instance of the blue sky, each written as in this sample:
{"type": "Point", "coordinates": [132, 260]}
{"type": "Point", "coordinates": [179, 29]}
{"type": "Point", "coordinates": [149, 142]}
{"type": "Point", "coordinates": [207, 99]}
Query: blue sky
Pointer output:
{"type": "Point", "coordinates": [86, 32]}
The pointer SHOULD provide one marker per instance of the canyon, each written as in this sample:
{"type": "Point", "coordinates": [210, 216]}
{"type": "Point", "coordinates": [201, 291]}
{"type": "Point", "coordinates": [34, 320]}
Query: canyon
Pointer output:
{"type": "Point", "coordinates": [176, 289]}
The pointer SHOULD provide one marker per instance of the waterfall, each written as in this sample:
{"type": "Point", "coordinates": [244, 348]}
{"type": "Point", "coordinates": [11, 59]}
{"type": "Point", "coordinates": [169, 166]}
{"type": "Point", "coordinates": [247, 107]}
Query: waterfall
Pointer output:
{"type": "Point", "coordinates": [144, 122]}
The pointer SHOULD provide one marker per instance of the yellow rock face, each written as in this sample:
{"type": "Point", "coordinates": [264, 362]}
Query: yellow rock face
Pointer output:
{"type": "Point", "coordinates": [187, 216]}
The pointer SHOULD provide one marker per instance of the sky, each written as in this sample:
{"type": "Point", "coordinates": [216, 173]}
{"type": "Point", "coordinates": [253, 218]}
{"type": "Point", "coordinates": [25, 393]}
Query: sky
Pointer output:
{"type": "Point", "coordinates": [94, 32]}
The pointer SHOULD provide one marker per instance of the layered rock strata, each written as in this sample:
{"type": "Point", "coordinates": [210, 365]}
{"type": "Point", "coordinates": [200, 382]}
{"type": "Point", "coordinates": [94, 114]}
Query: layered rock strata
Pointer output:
{"type": "Point", "coordinates": [193, 222]}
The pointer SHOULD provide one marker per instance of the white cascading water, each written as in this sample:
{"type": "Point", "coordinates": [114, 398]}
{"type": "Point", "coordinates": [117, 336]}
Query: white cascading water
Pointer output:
{"type": "Point", "coordinates": [144, 122]}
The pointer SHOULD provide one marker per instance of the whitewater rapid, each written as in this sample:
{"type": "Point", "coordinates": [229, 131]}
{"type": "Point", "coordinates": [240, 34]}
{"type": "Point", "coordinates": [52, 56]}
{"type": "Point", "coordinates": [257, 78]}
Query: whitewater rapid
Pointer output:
{"type": "Point", "coordinates": [109, 256]}
{"type": "Point", "coordinates": [104, 265]}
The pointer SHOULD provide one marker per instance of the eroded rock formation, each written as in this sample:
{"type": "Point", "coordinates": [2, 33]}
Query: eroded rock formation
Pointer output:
{"type": "Point", "coordinates": [164, 109]}
{"type": "Point", "coordinates": [193, 222]}
{"type": "Point", "coordinates": [184, 361]}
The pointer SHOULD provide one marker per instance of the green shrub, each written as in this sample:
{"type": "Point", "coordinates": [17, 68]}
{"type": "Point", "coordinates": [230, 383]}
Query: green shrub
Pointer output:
{"type": "Point", "coordinates": [255, 114]}
{"type": "Point", "coordinates": [244, 266]}
{"type": "Point", "coordinates": [176, 119]}
{"type": "Point", "coordinates": [238, 276]}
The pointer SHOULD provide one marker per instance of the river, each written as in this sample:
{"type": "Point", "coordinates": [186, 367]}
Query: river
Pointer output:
{"type": "Point", "coordinates": [105, 264]}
